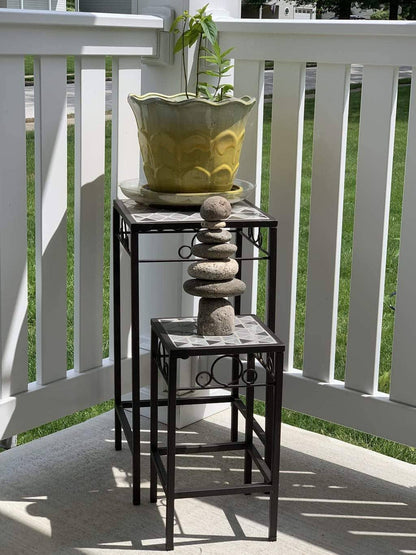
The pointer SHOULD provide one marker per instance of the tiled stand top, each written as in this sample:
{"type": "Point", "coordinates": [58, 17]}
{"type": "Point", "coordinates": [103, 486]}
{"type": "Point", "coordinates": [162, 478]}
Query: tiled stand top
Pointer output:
{"type": "Point", "coordinates": [146, 215]}
{"type": "Point", "coordinates": [182, 334]}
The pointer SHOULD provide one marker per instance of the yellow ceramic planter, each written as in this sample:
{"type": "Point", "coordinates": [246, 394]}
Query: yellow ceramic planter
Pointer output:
{"type": "Point", "coordinates": [190, 145]}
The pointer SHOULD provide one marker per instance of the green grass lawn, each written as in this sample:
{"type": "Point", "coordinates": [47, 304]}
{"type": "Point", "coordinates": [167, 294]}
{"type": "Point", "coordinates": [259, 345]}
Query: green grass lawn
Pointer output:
{"type": "Point", "coordinates": [98, 409]}
{"type": "Point", "coordinates": [386, 447]}
{"type": "Point", "coordinates": [70, 68]}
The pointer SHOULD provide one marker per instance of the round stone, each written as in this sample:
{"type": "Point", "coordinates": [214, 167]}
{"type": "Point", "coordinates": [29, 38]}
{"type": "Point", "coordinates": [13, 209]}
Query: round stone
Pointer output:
{"type": "Point", "coordinates": [214, 236]}
{"type": "Point", "coordinates": [213, 225]}
{"type": "Point", "coordinates": [215, 208]}
{"type": "Point", "coordinates": [220, 251]}
{"type": "Point", "coordinates": [216, 270]}
{"type": "Point", "coordinates": [214, 289]}
{"type": "Point", "coordinates": [215, 317]}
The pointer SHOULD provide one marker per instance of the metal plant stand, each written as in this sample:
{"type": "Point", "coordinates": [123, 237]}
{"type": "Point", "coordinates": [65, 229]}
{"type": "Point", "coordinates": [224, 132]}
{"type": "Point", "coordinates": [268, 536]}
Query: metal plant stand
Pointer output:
{"type": "Point", "coordinates": [130, 220]}
{"type": "Point", "coordinates": [176, 338]}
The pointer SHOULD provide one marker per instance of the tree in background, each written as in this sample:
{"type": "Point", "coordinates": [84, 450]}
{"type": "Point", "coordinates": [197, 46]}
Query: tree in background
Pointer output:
{"type": "Point", "coordinates": [408, 9]}
{"type": "Point", "coordinates": [342, 8]}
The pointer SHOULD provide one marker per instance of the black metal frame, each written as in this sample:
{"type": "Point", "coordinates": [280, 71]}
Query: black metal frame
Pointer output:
{"type": "Point", "coordinates": [272, 364]}
{"type": "Point", "coordinates": [126, 232]}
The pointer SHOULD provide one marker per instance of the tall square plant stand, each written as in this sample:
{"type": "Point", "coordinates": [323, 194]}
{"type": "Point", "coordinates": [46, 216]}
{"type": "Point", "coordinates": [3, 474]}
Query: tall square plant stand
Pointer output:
{"type": "Point", "coordinates": [133, 221]}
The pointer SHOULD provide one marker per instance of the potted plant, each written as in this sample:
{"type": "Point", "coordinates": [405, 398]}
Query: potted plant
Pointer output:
{"type": "Point", "coordinates": [191, 142]}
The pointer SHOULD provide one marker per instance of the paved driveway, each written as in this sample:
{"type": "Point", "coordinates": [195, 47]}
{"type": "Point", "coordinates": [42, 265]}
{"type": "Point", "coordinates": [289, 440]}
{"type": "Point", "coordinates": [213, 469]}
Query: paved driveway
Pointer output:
{"type": "Point", "coordinates": [356, 76]}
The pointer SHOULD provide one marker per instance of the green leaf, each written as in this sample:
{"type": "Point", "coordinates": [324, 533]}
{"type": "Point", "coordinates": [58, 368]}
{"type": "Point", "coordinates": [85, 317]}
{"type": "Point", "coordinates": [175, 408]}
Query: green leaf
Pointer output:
{"type": "Point", "coordinates": [209, 72]}
{"type": "Point", "coordinates": [202, 11]}
{"type": "Point", "coordinates": [174, 26]}
{"type": "Point", "coordinates": [210, 59]}
{"type": "Point", "coordinates": [210, 30]}
{"type": "Point", "coordinates": [194, 34]}
{"type": "Point", "coordinates": [225, 70]}
{"type": "Point", "coordinates": [203, 88]}
{"type": "Point", "coordinates": [188, 38]}
{"type": "Point", "coordinates": [226, 52]}
{"type": "Point", "coordinates": [227, 88]}
{"type": "Point", "coordinates": [178, 46]}
{"type": "Point", "coordinates": [216, 49]}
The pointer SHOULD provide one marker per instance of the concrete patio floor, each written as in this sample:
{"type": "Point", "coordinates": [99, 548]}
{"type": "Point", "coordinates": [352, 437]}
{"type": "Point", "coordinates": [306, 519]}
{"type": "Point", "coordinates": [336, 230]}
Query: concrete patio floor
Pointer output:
{"type": "Point", "coordinates": [70, 493]}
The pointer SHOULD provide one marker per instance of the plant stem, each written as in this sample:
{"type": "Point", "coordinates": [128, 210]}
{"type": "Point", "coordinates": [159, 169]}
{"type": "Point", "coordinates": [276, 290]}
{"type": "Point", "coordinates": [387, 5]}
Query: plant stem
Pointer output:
{"type": "Point", "coordinates": [218, 83]}
{"type": "Point", "coordinates": [183, 58]}
{"type": "Point", "coordinates": [197, 65]}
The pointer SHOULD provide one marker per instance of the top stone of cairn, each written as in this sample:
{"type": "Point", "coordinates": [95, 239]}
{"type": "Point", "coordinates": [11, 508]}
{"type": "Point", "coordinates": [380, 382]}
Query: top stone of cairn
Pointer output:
{"type": "Point", "coordinates": [215, 209]}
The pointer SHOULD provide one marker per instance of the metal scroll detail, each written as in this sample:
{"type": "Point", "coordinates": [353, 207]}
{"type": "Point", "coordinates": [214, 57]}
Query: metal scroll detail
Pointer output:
{"type": "Point", "coordinates": [162, 360]}
{"type": "Point", "coordinates": [181, 249]}
{"type": "Point", "coordinates": [123, 234]}
{"type": "Point", "coordinates": [267, 363]}
{"type": "Point", "coordinates": [257, 240]}
{"type": "Point", "coordinates": [206, 378]}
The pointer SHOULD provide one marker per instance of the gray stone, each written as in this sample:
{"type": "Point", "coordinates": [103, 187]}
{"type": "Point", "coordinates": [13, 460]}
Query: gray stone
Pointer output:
{"type": "Point", "coordinates": [213, 225]}
{"type": "Point", "coordinates": [215, 317]}
{"type": "Point", "coordinates": [215, 270]}
{"type": "Point", "coordinates": [215, 208]}
{"type": "Point", "coordinates": [214, 252]}
{"type": "Point", "coordinates": [214, 289]}
{"type": "Point", "coordinates": [214, 236]}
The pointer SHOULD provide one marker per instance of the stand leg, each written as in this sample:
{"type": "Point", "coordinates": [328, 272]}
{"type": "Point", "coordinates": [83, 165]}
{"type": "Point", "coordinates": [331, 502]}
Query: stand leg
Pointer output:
{"type": "Point", "coordinates": [271, 322]}
{"type": "Point", "coordinates": [153, 417]}
{"type": "Point", "coordinates": [170, 463]}
{"type": "Point", "coordinates": [274, 492]}
{"type": "Point", "coordinates": [269, 419]}
{"type": "Point", "coordinates": [135, 363]}
{"type": "Point", "coordinates": [271, 279]}
{"type": "Point", "coordinates": [116, 327]}
{"type": "Point", "coordinates": [248, 463]}
{"type": "Point", "coordinates": [235, 394]}
{"type": "Point", "coordinates": [236, 368]}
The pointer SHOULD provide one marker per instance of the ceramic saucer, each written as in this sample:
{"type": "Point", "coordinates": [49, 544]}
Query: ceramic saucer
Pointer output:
{"type": "Point", "coordinates": [143, 195]}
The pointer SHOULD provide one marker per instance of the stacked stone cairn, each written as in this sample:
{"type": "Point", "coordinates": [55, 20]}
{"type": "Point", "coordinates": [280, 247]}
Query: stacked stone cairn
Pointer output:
{"type": "Point", "coordinates": [214, 275]}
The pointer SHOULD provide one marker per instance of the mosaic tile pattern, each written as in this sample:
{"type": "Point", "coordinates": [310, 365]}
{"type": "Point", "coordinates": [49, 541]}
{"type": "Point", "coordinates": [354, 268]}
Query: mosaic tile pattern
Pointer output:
{"type": "Point", "coordinates": [182, 333]}
{"type": "Point", "coordinates": [144, 214]}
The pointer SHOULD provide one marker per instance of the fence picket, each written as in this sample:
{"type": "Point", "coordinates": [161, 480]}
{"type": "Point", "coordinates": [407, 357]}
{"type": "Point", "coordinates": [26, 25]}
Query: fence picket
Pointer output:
{"type": "Point", "coordinates": [328, 168]}
{"type": "Point", "coordinates": [89, 211]}
{"type": "Point", "coordinates": [372, 200]}
{"type": "Point", "coordinates": [125, 165]}
{"type": "Point", "coordinates": [13, 229]}
{"type": "Point", "coordinates": [403, 375]}
{"type": "Point", "coordinates": [285, 180]}
{"type": "Point", "coordinates": [249, 80]}
{"type": "Point", "coordinates": [51, 228]}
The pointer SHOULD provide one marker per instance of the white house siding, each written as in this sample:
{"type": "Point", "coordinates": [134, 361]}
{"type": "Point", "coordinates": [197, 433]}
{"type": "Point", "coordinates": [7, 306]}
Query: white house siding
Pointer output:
{"type": "Point", "coordinates": [287, 9]}
{"type": "Point", "coordinates": [108, 6]}
{"type": "Point", "coordinates": [56, 5]}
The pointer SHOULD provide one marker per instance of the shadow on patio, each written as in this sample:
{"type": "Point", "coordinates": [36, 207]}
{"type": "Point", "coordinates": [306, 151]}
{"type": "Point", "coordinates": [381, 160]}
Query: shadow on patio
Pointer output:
{"type": "Point", "coordinates": [70, 493]}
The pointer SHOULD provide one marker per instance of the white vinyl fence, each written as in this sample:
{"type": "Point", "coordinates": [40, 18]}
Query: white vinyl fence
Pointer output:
{"type": "Point", "coordinates": [380, 47]}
